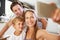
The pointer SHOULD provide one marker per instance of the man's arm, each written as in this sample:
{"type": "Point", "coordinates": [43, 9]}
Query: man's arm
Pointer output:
{"type": "Point", "coordinates": [5, 28]}
{"type": "Point", "coordinates": [44, 22]}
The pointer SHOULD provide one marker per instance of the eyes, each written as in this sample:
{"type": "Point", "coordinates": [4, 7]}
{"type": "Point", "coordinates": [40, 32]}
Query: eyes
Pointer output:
{"type": "Point", "coordinates": [29, 17]}
{"type": "Point", "coordinates": [20, 23]}
{"type": "Point", "coordinates": [18, 9]}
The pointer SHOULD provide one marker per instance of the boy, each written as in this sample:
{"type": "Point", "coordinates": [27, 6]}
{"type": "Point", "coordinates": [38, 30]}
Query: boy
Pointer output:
{"type": "Point", "coordinates": [19, 33]}
{"type": "Point", "coordinates": [17, 9]}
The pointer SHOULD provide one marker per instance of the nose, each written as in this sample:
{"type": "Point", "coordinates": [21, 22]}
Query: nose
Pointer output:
{"type": "Point", "coordinates": [18, 11]}
{"type": "Point", "coordinates": [29, 19]}
{"type": "Point", "coordinates": [21, 26]}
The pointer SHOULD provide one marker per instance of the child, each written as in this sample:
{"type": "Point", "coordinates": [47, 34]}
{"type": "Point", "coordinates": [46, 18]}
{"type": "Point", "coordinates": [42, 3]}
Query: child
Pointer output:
{"type": "Point", "coordinates": [19, 33]}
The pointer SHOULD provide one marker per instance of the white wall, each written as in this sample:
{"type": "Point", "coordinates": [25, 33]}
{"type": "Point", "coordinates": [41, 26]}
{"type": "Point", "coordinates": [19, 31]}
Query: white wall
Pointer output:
{"type": "Point", "coordinates": [8, 11]}
{"type": "Point", "coordinates": [32, 2]}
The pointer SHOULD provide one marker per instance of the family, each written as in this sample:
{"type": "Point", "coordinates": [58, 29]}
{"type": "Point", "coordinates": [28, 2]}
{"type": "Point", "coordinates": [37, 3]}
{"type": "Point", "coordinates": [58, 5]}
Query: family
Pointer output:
{"type": "Point", "coordinates": [26, 27]}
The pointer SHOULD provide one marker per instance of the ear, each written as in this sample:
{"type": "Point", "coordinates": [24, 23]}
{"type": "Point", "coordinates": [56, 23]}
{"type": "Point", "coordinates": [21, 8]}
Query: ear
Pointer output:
{"type": "Point", "coordinates": [13, 24]}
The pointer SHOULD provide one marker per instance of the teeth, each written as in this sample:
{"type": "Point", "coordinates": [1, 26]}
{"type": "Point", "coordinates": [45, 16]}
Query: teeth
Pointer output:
{"type": "Point", "coordinates": [30, 23]}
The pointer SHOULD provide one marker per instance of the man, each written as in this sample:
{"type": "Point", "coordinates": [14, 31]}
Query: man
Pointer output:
{"type": "Point", "coordinates": [17, 9]}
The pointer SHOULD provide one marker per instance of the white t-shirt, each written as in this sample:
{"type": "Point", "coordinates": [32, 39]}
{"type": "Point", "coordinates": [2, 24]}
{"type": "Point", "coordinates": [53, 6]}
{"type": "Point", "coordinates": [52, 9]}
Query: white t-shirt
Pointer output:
{"type": "Point", "coordinates": [14, 37]}
{"type": "Point", "coordinates": [53, 27]}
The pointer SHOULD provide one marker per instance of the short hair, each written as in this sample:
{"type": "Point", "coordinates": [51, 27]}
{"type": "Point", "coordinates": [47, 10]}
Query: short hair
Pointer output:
{"type": "Point", "coordinates": [15, 3]}
{"type": "Point", "coordinates": [19, 18]}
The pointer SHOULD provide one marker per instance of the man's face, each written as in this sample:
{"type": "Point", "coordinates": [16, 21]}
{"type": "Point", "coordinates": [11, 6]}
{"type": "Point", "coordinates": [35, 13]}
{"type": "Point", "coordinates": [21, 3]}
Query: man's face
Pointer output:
{"type": "Point", "coordinates": [18, 10]}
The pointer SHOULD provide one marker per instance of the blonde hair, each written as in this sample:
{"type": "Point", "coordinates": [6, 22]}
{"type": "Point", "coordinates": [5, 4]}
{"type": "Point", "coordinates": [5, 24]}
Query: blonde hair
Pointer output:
{"type": "Point", "coordinates": [35, 26]}
{"type": "Point", "coordinates": [19, 18]}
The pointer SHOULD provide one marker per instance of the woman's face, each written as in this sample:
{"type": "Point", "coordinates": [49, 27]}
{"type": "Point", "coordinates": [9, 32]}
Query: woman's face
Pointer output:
{"type": "Point", "coordinates": [30, 19]}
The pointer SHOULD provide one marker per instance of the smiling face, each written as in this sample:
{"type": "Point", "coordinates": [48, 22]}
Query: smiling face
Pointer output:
{"type": "Point", "coordinates": [19, 25]}
{"type": "Point", "coordinates": [30, 19]}
{"type": "Point", "coordinates": [18, 10]}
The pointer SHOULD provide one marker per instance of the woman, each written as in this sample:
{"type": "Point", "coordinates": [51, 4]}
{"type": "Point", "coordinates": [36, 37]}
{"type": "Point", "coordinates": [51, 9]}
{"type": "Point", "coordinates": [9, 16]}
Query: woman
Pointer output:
{"type": "Point", "coordinates": [33, 32]}
{"type": "Point", "coordinates": [30, 19]}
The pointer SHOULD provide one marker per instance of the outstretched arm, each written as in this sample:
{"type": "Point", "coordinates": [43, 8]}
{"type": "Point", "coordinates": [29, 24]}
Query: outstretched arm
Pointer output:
{"type": "Point", "coordinates": [40, 35]}
{"type": "Point", "coordinates": [8, 24]}
{"type": "Point", "coordinates": [44, 35]}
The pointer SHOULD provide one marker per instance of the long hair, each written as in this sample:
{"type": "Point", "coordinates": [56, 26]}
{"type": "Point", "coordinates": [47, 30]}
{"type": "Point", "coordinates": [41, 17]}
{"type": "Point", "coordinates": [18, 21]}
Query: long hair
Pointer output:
{"type": "Point", "coordinates": [35, 26]}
